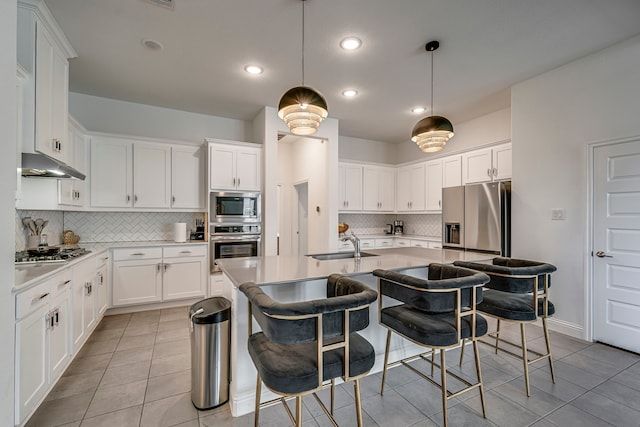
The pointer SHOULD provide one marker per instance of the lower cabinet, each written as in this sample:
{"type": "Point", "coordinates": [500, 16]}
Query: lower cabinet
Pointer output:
{"type": "Point", "coordinates": [102, 285]}
{"type": "Point", "coordinates": [144, 275]}
{"type": "Point", "coordinates": [43, 344]}
{"type": "Point", "coordinates": [83, 294]}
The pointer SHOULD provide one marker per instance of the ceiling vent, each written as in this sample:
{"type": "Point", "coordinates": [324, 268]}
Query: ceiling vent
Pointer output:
{"type": "Point", "coordinates": [167, 4]}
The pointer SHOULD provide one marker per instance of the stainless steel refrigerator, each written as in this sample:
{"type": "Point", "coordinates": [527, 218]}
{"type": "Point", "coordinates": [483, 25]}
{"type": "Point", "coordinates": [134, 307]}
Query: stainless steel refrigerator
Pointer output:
{"type": "Point", "coordinates": [478, 217]}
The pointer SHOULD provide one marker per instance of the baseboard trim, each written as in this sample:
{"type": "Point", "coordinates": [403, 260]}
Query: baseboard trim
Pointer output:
{"type": "Point", "coordinates": [564, 327]}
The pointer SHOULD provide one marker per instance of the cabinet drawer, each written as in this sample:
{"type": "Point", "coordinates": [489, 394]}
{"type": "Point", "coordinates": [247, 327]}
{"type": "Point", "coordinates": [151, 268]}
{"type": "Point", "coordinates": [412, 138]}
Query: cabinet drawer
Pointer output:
{"type": "Point", "coordinates": [184, 251]}
{"type": "Point", "coordinates": [132, 254]}
{"type": "Point", "coordinates": [102, 259]}
{"type": "Point", "coordinates": [384, 243]}
{"type": "Point", "coordinates": [34, 298]}
{"type": "Point", "coordinates": [419, 244]}
{"type": "Point", "coordinates": [367, 243]}
{"type": "Point", "coordinates": [402, 243]}
{"type": "Point", "coordinates": [345, 246]}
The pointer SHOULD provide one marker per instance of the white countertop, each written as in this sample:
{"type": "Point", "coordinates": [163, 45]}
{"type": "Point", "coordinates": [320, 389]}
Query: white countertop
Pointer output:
{"type": "Point", "coordinates": [282, 269]}
{"type": "Point", "coordinates": [29, 274]}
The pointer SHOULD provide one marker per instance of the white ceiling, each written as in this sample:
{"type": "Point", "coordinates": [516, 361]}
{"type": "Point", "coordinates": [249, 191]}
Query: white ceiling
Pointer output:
{"type": "Point", "coordinates": [485, 47]}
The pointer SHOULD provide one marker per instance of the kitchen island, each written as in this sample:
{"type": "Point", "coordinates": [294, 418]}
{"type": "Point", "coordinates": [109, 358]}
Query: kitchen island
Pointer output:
{"type": "Point", "coordinates": [300, 278]}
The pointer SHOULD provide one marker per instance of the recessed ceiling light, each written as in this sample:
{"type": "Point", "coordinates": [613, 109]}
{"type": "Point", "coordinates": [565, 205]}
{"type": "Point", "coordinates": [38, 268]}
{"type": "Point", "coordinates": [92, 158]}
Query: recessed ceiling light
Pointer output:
{"type": "Point", "coordinates": [349, 93]}
{"type": "Point", "coordinates": [418, 110]}
{"type": "Point", "coordinates": [350, 43]}
{"type": "Point", "coordinates": [253, 69]}
{"type": "Point", "coordinates": [152, 44]}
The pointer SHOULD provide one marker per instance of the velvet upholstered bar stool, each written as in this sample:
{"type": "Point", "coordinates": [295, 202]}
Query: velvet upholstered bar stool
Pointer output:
{"type": "Point", "coordinates": [438, 313]}
{"type": "Point", "coordinates": [304, 345]}
{"type": "Point", "coordinates": [518, 292]}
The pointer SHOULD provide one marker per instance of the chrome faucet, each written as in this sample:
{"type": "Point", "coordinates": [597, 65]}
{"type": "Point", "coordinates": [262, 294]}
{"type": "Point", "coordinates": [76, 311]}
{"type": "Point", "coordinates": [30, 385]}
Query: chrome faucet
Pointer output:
{"type": "Point", "coordinates": [356, 244]}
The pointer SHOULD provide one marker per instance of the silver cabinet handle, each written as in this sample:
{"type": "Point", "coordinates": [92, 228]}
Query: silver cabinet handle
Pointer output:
{"type": "Point", "coordinates": [137, 254]}
{"type": "Point", "coordinates": [234, 182]}
{"type": "Point", "coordinates": [135, 198]}
{"type": "Point", "coordinates": [48, 320]}
{"type": "Point", "coordinates": [489, 171]}
{"type": "Point", "coordinates": [66, 282]}
{"type": "Point", "coordinates": [185, 252]}
{"type": "Point", "coordinates": [40, 297]}
{"type": "Point", "coordinates": [173, 199]}
{"type": "Point", "coordinates": [158, 267]}
{"type": "Point", "coordinates": [128, 198]}
{"type": "Point", "coordinates": [88, 287]}
{"type": "Point", "coordinates": [601, 254]}
{"type": "Point", "coordinates": [165, 267]}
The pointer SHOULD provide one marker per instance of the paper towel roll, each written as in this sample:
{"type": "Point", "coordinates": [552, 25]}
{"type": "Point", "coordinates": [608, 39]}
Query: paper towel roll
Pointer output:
{"type": "Point", "coordinates": [180, 232]}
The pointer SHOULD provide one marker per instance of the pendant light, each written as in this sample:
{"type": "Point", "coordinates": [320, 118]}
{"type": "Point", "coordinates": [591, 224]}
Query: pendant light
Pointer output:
{"type": "Point", "coordinates": [432, 133]}
{"type": "Point", "coordinates": [302, 108]}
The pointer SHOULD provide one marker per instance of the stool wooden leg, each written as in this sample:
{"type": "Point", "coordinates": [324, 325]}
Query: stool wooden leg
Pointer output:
{"type": "Point", "coordinates": [497, 335]}
{"type": "Point", "coordinates": [356, 391]}
{"type": "Point", "coordinates": [443, 376]}
{"type": "Point", "coordinates": [256, 414]}
{"type": "Point", "coordinates": [386, 360]}
{"type": "Point", "coordinates": [461, 353]}
{"type": "Point", "coordinates": [525, 357]}
{"type": "Point", "coordinates": [333, 387]}
{"type": "Point", "coordinates": [298, 411]}
{"type": "Point", "coordinates": [548, 342]}
{"type": "Point", "coordinates": [479, 373]}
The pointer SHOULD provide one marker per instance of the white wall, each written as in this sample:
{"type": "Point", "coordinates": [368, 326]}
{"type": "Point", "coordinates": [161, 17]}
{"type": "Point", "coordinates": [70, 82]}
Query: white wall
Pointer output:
{"type": "Point", "coordinates": [554, 117]}
{"type": "Point", "coordinates": [112, 116]}
{"type": "Point", "coordinates": [487, 129]}
{"type": "Point", "coordinates": [8, 13]}
{"type": "Point", "coordinates": [366, 150]}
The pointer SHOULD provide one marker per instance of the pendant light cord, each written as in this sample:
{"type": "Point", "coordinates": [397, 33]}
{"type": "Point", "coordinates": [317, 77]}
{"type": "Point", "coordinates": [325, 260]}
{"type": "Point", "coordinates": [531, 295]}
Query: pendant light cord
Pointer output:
{"type": "Point", "coordinates": [431, 114]}
{"type": "Point", "coordinates": [303, 1]}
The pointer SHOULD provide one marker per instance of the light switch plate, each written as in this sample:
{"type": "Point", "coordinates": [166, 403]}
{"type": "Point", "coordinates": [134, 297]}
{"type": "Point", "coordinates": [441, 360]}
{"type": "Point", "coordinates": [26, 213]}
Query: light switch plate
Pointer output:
{"type": "Point", "coordinates": [558, 214]}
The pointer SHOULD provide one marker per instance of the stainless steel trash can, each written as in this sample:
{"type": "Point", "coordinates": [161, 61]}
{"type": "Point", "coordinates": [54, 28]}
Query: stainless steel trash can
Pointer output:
{"type": "Point", "coordinates": [210, 345]}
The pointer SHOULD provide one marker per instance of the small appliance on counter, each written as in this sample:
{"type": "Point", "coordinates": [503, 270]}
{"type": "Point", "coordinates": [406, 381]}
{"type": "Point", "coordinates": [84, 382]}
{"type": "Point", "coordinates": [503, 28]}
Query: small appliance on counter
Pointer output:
{"type": "Point", "coordinates": [389, 229]}
{"type": "Point", "coordinates": [398, 226]}
{"type": "Point", "coordinates": [198, 234]}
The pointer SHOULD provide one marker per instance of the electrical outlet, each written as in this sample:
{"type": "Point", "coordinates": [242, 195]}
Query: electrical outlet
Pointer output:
{"type": "Point", "coordinates": [558, 214]}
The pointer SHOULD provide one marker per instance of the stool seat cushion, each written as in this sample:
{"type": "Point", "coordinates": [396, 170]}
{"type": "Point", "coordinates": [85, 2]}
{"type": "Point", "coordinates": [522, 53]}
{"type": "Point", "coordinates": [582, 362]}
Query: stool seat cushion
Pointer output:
{"type": "Point", "coordinates": [430, 329]}
{"type": "Point", "coordinates": [507, 305]}
{"type": "Point", "coordinates": [292, 368]}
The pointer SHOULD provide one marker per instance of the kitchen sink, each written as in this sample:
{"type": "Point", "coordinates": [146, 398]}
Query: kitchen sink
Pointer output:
{"type": "Point", "coordinates": [339, 255]}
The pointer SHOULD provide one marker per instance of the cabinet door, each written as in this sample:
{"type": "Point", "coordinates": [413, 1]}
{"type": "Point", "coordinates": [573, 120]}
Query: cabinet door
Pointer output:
{"type": "Point", "coordinates": [502, 162]}
{"type": "Point", "coordinates": [136, 282]}
{"type": "Point", "coordinates": [370, 185]}
{"type": "Point", "coordinates": [59, 106]}
{"type": "Point", "coordinates": [222, 167]}
{"type": "Point", "coordinates": [476, 166]}
{"type": "Point", "coordinates": [410, 188]}
{"type": "Point", "coordinates": [186, 177]}
{"type": "Point", "coordinates": [387, 186]}
{"type": "Point", "coordinates": [434, 186]}
{"type": "Point", "coordinates": [60, 335]}
{"type": "Point", "coordinates": [31, 365]}
{"type": "Point", "coordinates": [151, 175]}
{"type": "Point", "coordinates": [100, 290]}
{"type": "Point", "coordinates": [248, 169]}
{"type": "Point", "coordinates": [183, 278]}
{"type": "Point", "coordinates": [350, 183]}
{"type": "Point", "coordinates": [452, 171]}
{"type": "Point", "coordinates": [111, 173]}
{"type": "Point", "coordinates": [44, 92]}
{"type": "Point", "coordinates": [403, 192]}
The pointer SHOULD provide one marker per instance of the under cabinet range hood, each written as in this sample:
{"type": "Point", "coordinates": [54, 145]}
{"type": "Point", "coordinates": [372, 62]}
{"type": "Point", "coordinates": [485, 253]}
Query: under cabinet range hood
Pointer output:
{"type": "Point", "coordinates": [41, 165]}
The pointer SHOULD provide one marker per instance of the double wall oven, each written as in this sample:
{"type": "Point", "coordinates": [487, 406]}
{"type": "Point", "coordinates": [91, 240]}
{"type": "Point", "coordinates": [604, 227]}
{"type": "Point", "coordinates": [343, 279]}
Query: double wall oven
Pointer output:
{"type": "Point", "coordinates": [235, 226]}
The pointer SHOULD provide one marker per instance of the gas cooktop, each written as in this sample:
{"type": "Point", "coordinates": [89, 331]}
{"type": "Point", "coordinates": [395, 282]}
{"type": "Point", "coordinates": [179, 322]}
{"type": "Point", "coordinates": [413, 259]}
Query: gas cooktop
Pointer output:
{"type": "Point", "coordinates": [62, 255]}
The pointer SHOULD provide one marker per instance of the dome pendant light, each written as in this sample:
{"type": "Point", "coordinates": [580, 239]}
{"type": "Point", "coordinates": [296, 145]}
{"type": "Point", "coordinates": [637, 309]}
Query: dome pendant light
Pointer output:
{"type": "Point", "coordinates": [432, 133]}
{"type": "Point", "coordinates": [302, 108]}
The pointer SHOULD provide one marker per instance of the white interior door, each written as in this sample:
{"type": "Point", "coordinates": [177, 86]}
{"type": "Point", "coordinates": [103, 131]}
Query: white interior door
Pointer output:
{"type": "Point", "coordinates": [616, 245]}
{"type": "Point", "coordinates": [302, 191]}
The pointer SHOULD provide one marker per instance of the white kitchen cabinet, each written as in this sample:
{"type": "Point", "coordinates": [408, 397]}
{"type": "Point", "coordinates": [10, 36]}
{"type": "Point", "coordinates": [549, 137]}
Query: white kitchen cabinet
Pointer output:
{"type": "Point", "coordinates": [234, 167]}
{"type": "Point", "coordinates": [434, 244]}
{"type": "Point", "coordinates": [345, 246]}
{"type": "Point", "coordinates": [367, 244]}
{"type": "Point", "coordinates": [184, 271]}
{"type": "Point", "coordinates": [401, 242]}
{"type": "Point", "coordinates": [452, 171]}
{"type": "Point", "coordinates": [419, 243]}
{"type": "Point", "coordinates": [410, 188]}
{"type": "Point", "coordinates": [378, 186]}
{"type": "Point", "coordinates": [71, 192]}
{"type": "Point", "coordinates": [101, 287]}
{"type": "Point", "coordinates": [151, 175]}
{"type": "Point", "coordinates": [434, 186]}
{"type": "Point", "coordinates": [187, 182]}
{"type": "Point", "coordinates": [111, 172]}
{"type": "Point", "coordinates": [43, 51]}
{"type": "Point", "coordinates": [350, 187]}
{"type": "Point", "coordinates": [137, 275]}
{"type": "Point", "coordinates": [384, 243]}
{"type": "Point", "coordinates": [153, 274]}
{"type": "Point", "coordinates": [42, 342]}
{"type": "Point", "coordinates": [84, 312]}
{"type": "Point", "coordinates": [487, 164]}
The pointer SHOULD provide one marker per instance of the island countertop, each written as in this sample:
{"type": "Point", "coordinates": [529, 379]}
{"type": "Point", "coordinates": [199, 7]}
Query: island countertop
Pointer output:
{"type": "Point", "coordinates": [280, 269]}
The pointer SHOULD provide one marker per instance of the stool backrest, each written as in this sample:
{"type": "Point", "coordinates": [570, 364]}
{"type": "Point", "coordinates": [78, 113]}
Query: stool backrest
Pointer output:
{"type": "Point", "coordinates": [514, 275]}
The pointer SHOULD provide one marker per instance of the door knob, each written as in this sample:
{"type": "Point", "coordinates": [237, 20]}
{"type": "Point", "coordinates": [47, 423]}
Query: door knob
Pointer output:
{"type": "Point", "coordinates": [601, 254]}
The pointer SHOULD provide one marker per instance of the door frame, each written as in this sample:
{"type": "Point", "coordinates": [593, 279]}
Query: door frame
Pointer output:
{"type": "Point", "coordinates": [589, 235]}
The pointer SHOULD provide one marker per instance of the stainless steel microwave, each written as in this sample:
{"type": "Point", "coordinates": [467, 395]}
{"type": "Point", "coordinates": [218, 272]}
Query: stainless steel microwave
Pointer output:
{"type": "Point", "coordinates": [229, 207]}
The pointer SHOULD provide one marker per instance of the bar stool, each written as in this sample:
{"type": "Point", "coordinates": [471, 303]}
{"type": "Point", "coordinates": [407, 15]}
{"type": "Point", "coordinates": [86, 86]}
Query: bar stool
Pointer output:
{"type": "Point", "coordinates": [518, 293]}
{"type": "Point", "coordinates": [304, 344]}
{"type": "Point", "coordinates": [439, 313]}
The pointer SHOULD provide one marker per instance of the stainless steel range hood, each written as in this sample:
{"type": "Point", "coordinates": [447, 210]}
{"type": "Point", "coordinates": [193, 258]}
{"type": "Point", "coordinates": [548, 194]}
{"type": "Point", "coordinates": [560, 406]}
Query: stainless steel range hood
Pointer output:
{"type": "Point", "coordinates": [41, 165]}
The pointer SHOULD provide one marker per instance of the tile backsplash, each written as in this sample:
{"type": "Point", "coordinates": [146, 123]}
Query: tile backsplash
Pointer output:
{"type": "Point", "coordinates": [95, 227]}
{"type": "Point", "coordinates": [419, 224]}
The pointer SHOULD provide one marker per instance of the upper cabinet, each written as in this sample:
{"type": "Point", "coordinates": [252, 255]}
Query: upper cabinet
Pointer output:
{"type": "Point", "coordinates": [434, 185]}
{"type": "Point", "coordinates": [43, 51]}
{"type": "Point", "coordinates": [410, 188]}
{"type": "Point", "coordinates": [452, 171]}
{"type": "Point", "coordinates": [72, 192]}
{"type": "Point", "coordinates": [378, 189]}
{"type": "Point", "coordinates": [350, 187]}
{"type": "Point", "coordinates": [144, 175]}
{"type": "Point", "coordinates": [488, 164]}
{"type": "Point", "coordinates": [234, 167]}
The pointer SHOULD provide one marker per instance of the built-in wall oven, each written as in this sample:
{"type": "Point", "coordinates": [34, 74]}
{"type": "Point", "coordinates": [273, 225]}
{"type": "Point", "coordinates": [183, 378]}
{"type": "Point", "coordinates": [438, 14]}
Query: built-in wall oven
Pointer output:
{"type": "Point", "coordinates": [233, 207]}
{"type": "Point", "coordinates": [234, 241]}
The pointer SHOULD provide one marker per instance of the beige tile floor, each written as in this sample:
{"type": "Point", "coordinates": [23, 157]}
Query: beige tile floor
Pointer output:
{"type": "Point", "coordinates": [135, 371]}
